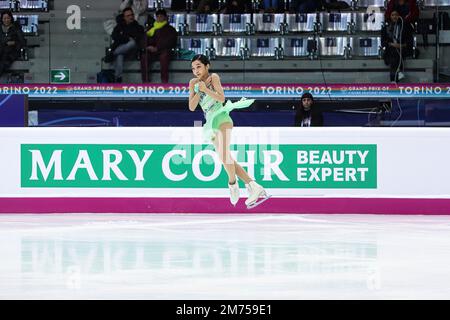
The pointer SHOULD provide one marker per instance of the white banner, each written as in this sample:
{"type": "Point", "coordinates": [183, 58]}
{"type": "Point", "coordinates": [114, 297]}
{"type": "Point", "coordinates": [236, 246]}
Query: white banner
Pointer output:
{"type": "Point", "coordinates": [289, 162]}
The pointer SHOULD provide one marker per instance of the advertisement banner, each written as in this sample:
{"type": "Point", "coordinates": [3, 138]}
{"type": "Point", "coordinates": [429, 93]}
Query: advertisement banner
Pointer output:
{"type": "Point", "coordinates": [195, 166]}
{"type": "Point", "coordinates": [172, 170]}
{"type": "Point", "coordinates": [236, 90]}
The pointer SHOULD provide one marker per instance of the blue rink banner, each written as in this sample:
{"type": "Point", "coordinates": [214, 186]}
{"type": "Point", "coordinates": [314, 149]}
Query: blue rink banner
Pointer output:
{"type": "Point", "coordinates": [13, 110]}
{"type": "Point", "coordinates": [181, 91]}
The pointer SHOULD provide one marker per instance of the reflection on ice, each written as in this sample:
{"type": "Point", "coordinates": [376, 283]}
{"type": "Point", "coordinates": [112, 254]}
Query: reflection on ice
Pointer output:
{"type": "Point", "coordinates": [223, 257]}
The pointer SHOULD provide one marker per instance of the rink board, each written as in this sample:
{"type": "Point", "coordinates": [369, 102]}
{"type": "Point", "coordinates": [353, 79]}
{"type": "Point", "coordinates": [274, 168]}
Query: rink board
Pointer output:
{"type": "Point", "coordinates": [172, 170]}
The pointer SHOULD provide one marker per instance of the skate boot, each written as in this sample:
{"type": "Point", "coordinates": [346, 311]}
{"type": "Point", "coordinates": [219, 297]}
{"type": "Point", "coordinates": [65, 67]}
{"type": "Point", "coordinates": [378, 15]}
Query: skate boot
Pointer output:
{"type": "Point", "coordinates": [234, 193]}
{"type": "Point", "coordinates": [255, 192]}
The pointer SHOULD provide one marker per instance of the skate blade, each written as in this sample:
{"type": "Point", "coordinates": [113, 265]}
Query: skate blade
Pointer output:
{"type": "Point", "coordinates": [257, 203]}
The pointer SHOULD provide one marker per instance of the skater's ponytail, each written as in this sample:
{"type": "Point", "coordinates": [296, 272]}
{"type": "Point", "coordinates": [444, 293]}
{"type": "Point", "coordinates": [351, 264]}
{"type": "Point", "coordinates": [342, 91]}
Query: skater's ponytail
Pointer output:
{"type": "Point", "coordinates": [202, 58]}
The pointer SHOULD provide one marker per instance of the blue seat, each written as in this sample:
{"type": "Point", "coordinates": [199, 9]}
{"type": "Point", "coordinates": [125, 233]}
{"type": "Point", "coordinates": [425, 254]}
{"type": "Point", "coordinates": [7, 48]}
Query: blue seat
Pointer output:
{"type": "Point", "coordinates": [301, 22]}
{"type": "Point", "coordinates": [198, 45]}
{"type": "Point", "coordinates": [29, 23]}
{"type": "Point", "coordinates": [229, 47]}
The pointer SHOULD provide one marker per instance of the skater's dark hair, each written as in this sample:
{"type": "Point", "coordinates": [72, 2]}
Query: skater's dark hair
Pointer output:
{"type": "Point", "coordinates": [202, 58]}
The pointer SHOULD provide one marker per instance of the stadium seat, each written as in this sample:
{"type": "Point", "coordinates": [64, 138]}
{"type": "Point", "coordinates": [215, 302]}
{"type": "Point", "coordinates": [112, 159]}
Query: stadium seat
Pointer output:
{"type": "Point", "coordinates": [177, 20]}
{"type": "Point", "coordinates": [436, 3]}
{"type": "Point", "coordinates": [268, 22]}
{"type": "Point", "coordinates": [371, 3]}
{"type": "Point", "coordinates": [263, 46]}
{"type": "Point", "coordinates": [229, 47]}
{"type": "Point", "coordinates": [198, 45]}
{"type": "Point", "coordinates": [41, 5]}
{"type": "Point", "coordinates": [333, 46]}
{"type": "Point", "coordinates": [201, 23]}
{"type": "Point", "coordinates": [369, 22]}
{"type": "Point", "coordinates": [336, 21]}
{"type": "Point", "coordinates": [365, 46]}
{"type": "Point", "coordinates": [5, 4]}
{"type": "Point", "coordinates": [29, 23]}
{"type": "Point", "coordinates": [234, 23]}
{"type": "Point", "coordinates": [301, 22]}
{"type": "Point", "coordinates": [157, 4]}
{"type": "Point", "coordinates": [297, 47]}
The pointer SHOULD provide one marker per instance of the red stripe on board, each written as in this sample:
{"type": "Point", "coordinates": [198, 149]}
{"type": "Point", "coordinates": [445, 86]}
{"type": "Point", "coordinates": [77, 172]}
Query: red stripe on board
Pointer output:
{"type": "Point", "coordinates": [222, 205]}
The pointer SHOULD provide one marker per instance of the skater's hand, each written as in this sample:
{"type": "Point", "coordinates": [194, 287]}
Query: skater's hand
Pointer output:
{"type": "Point", "coordinates": [201, 86]}
{"type": "Point", "coordinates": [152, 49]}
{"type": "Point", "coordinates": [208, 81]}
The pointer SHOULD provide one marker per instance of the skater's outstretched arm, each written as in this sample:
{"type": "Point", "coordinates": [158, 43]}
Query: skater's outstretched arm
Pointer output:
{"type": "Point", "coordinates": [194, 98]}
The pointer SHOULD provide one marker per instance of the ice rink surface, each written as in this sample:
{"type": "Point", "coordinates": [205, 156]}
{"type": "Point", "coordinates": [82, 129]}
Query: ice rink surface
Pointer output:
{"type": "Point", "coordinates": [173, 256]}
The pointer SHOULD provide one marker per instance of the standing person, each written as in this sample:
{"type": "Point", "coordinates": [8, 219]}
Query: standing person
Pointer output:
{"type": "Point", "coordinates": [126, 36]}
{"type": "Point", "coordinates": [407, 9]}
{"type": "Point", "coordinates": [161, 39]}
{"type": "Point", "coordinates": [306, 115]}
{"type": "Point", "coordinates": [206, 89]}
{"type": "Point", "coordinates": [11, 41]}
{"type": "Point", "coordinates": [397, 38]}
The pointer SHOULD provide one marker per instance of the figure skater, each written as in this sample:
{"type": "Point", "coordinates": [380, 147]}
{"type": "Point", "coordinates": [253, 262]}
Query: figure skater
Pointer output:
{"type": "Point", "coordinates": [205, 89]}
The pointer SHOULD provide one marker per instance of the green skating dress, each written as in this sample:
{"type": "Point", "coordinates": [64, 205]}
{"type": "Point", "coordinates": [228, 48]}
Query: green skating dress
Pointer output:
{"type": "Point", "coordinates": [216, 113]}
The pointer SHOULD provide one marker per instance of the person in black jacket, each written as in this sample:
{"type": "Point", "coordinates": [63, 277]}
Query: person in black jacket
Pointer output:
{"type": "Point", "coordinates": [306, 115]}
{"type": "Point", "coordinates": [11, 41]}
{"type": "Point", "coordinates": [397, 38]}
{"type": "Point", "coordinates": [127, 37]}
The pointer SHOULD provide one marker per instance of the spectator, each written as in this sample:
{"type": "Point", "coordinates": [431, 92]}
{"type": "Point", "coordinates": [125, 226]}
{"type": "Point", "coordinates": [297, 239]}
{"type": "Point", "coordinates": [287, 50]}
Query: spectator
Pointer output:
{"type": "Point", "coordinates": [306, 115]}
{"type": "Point", "coordinates": [11, 41]}
{"type": "Point", "coordinates": [304, 6]}
{"type": "Point", "coordinates": [397, 38]}
{"type": "Point", "coordinates": [126, 36]}
{"type": "Point", "coordinates": [161, 39]}
{"type": "Point", "coordinates": [139, 9]}
{"type": "Point", "coordinates": [407, 9]}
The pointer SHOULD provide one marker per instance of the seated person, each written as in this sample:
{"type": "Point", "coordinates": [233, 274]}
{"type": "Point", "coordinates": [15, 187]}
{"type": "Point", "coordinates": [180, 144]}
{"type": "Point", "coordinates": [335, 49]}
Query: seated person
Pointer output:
{"type": "Point", "coordinates": [11, 41]}
{"type": "Point", "coordinates": [407, 9]}
{"type": "Point", "coordinates": [161, 39]}
{"type": "Point", "coordinates": [397, 38]}
{"type": "Point", "coordinates": [306, 115]}
{"type": "Point", "coordinates": [139, 7]}
{"type": "Point", "coordinates": [127, 37]}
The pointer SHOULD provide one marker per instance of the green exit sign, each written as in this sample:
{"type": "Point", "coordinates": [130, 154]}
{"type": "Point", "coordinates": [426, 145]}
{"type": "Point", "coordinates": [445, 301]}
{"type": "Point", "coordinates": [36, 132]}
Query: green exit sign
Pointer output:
{"type": "Point", "coordinates": [60, 76]}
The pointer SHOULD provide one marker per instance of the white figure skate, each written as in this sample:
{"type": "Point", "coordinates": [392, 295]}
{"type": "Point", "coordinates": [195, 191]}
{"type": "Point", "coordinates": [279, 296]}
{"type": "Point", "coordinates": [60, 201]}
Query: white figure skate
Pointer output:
{"type": "Point", "coordinates": [234, 193]}
{"type": "Point", "coordinates": [255, 192]}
